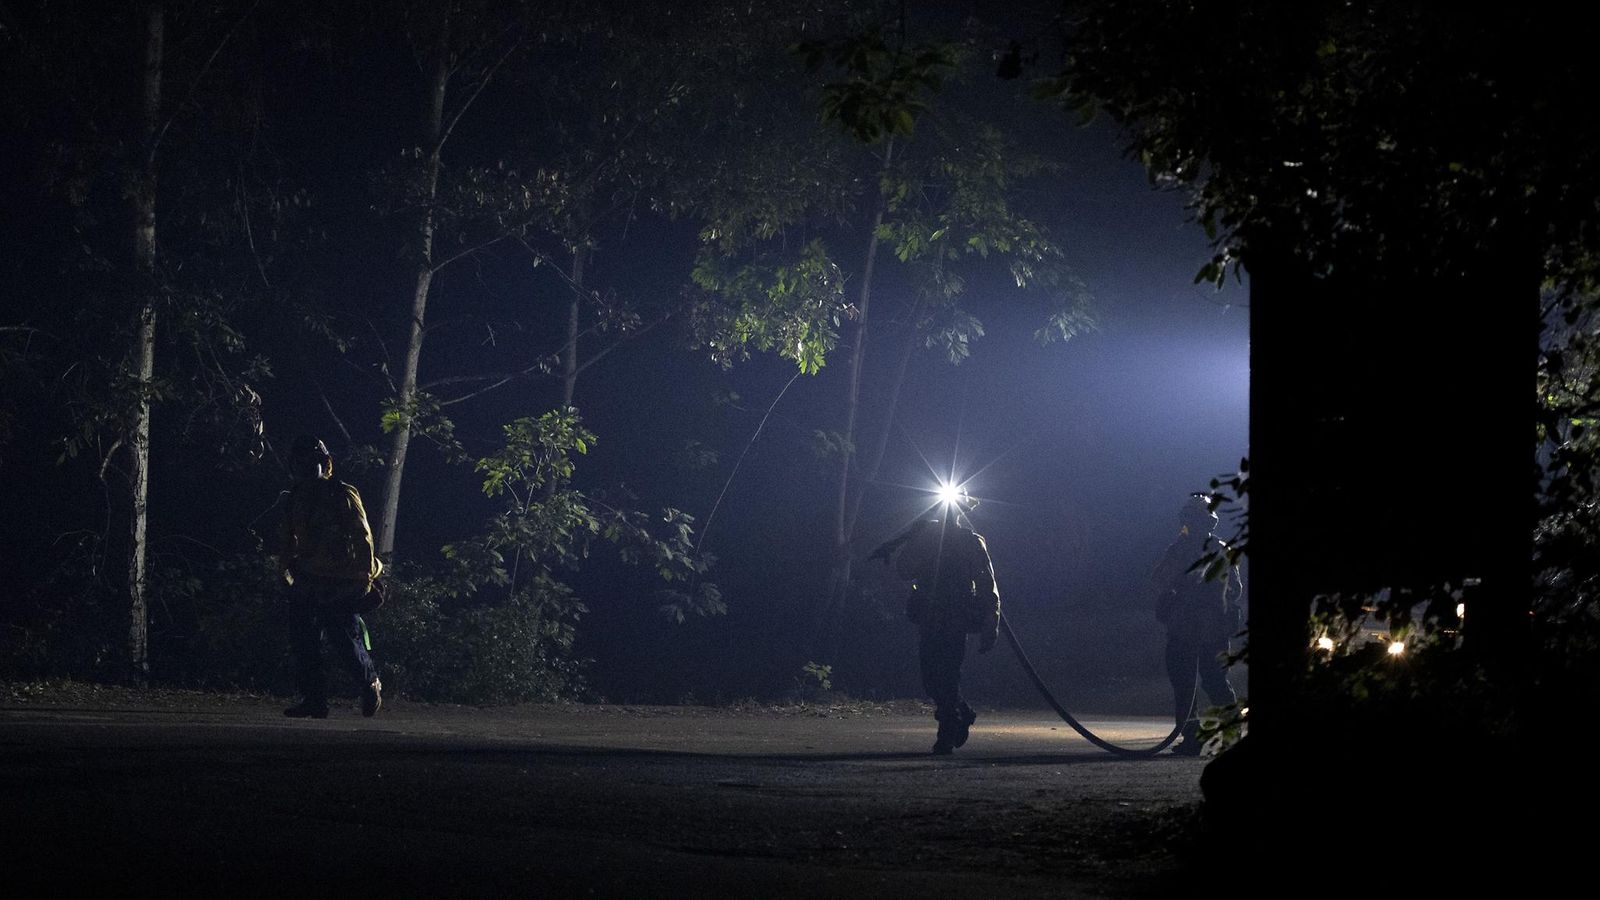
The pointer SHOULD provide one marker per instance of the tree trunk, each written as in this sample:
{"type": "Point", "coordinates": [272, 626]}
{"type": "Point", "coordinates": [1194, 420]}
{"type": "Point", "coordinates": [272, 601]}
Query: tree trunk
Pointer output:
{"type": "Point", "coordinates": [144, 342]}
{"type": "Point", "coordinates": [839, 576]}
{"type": "Point", "coordinates": [400, 440]}
{"type": "Point", "coordinates": [881, 445]}
{"type": "Point", "coordinates": [1398, 455]}
{"type": "Point", "coordinates": [569, 367]}
{"type": "Point", "coordinates": [1280, 601]}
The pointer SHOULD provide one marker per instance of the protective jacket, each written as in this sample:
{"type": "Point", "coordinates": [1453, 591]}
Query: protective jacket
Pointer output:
{"type": "Point", "coordinates": [325, 533]}
{"type": "Point", "coordinates": [953, 579]}
{"type": "Point", "coordinates": [1185, 600]}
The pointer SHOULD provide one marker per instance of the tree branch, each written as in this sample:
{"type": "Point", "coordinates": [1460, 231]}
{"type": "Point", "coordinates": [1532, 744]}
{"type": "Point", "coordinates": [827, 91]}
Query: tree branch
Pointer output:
{"type": "Point", "coordinates": [348, 440]}
{"type": "Point", "coordinates": [198, 77]}
{"type": "Point", "coordinates": [487, 75]}
{"type": "Point", "coordinates": [624, 339]}
{"type": "Point", "coordinates": [474, 249]}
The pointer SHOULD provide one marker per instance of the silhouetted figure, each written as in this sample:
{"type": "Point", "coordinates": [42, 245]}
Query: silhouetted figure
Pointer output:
{"type": "Point", "coordinates": [327, 559]}
{"type": "Point", "coordinates": [953, 594]}
{"type": "Point", "coordinates": [1200, 616]}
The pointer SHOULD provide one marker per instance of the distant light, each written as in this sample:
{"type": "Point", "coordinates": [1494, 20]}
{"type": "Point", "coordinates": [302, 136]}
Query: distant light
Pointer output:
{"type": "Point", "coordinates": [1397, 648]}
{"type": "Point", "coordinates": [1461, 610]}
{"type": "Point", "coordinates": [1325, 643]}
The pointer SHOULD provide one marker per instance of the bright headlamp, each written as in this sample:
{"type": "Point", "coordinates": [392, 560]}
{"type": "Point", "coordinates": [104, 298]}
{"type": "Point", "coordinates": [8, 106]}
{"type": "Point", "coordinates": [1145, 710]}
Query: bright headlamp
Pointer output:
{"type": "Point", "coordinates": [953, 495]}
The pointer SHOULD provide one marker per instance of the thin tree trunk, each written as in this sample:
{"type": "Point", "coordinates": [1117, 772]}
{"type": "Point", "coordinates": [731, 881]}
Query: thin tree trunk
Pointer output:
{"type": "Point", "coordinates": [400, 440]}
{"type": "Point", "coordinates": [569, 356]}
{"type": "Point", "coordinates": [144, 343]}
{"type": "Point", "coordinates": [839, 578]}
{"type": "Point", "coordinates": [881, 446]}
{"type": "Point", "coordinates": [569, 369]}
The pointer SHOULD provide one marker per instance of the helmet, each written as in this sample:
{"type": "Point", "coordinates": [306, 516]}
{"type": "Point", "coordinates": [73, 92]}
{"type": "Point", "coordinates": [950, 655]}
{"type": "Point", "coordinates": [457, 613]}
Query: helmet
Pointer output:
{"type": "Point", "coordinates": [309, 458]}
{"type": "Point", "coordinates": [1197, 514]}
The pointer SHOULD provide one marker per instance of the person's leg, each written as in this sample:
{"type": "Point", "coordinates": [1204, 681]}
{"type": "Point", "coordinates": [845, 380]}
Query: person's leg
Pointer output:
{"type": "Point", "coordinates": [1182, 658]}
{"type": "Point", "coordinates": [941, 652]}
{"type": "Point", "coordinates": [349, 642]}
{"type": "Point", "coordinates": [1213, 673]}
{"type": "Point", "coordinates": [305, 645]}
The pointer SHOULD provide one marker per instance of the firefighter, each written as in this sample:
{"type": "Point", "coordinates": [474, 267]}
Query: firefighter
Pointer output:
{"type": "Point", "coordinates": [1200, 616]}
{"type": "Point", "coordinates": [953, 594]}
{"type": "Point", "coordinates": [329, 565]}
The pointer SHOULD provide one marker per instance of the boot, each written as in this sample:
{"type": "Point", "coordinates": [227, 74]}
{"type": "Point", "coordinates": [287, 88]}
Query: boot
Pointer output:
{"type": "Point", "coordinates": [949, 736]}
{"type": "Point", "coordinates": [963, 725]}
{"type": "Point", "coordinates": [372, 698]}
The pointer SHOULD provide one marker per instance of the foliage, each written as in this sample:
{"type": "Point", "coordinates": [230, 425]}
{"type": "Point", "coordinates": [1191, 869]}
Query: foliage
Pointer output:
{"type": "Point", "coordinates": [434, 643]}
{"type": "Point", "coordinates": [215, 255]}
{"type": "Point", "coordinates": [886, 88]}
{"type": "Point", "coordinates": [1432, 692]}
{"type": "Point", "coordinates": [547, 526]}
{"type": "Point", "coordinates": [1222, 727]}
{"type": "Point", "coordinates": [819, 674]}
{"type": "Point", "coordinates": [1382, 131]}
{"type": "Point", "coordinates": [1228, 496]}
{"type": "Point", "coordinates": [1392, 143]}
{"type": "Point", "coordinates": [222, 623]}
{"type": "Point", "coordinates": [1566, 609]}
{"type": "Point", "coordinates": [68, 624]}
{"type": "Point", "coordinates": [770, 303]}
{"type": "Point", "coordinates": [772, 271]}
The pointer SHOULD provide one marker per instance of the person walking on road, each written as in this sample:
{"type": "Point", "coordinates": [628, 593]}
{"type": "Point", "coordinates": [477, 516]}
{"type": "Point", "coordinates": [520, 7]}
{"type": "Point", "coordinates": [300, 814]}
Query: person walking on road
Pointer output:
{"type": "Point", "coordinates": [953, 594]}
{"type": "Point", "coordinates": [329, 565]}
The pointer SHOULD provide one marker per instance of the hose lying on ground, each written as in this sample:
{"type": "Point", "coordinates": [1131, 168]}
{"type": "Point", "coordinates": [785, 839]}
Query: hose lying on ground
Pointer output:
{"type": "Point", "coordinates": [1091, 737]}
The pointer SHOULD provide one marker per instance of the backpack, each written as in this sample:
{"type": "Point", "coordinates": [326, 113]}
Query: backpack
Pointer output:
{"type": "Point", "coordinates": [326, 526]}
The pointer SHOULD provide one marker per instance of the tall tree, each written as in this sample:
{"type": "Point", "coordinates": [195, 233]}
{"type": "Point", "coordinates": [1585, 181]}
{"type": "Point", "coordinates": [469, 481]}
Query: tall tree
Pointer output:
{"type": "Point", "coordinates": [460, 46]}
{"type": "Point", "coordinates": [1399, 182]}
{"type": "Point", "coordinates": [927, 190]}
{"type": "Point", "coordinates": [1381, 160]}
{"type": "Point", "coordinates": [134, 288]}
{"type": "Point", "coordinates": [143, 192]}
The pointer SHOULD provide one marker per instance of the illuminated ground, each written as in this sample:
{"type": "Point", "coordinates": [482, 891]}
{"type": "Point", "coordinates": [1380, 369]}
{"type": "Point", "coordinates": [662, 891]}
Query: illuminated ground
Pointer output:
{"type": "Point", "coordinates": [208, 794]}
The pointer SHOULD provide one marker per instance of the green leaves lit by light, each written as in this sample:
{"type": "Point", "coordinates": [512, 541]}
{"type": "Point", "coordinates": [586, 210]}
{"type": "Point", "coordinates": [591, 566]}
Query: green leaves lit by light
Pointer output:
{"type": "Point", "coordinates": [884, 89]}
{"type": "Point", "coordinates": [792, 307]}
{"type": "Point", "coordinates": [537, 453]}
{"type": "Point", "coordinates": [547, 526]}
{"type": "Point", "coordinates": [1065, 324]}
{"type": "Point", "coordinates": [425, 420]}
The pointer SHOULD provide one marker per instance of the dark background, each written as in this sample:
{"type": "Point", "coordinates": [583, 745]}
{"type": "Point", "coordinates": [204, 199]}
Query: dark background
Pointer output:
{"type": "Point", "coordinates": [1081, 453]}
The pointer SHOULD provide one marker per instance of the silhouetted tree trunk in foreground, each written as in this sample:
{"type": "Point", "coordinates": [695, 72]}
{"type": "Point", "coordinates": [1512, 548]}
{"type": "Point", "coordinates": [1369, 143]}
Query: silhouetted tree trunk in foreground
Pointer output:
{"type": "Point", "coordinates": [1392, 446]}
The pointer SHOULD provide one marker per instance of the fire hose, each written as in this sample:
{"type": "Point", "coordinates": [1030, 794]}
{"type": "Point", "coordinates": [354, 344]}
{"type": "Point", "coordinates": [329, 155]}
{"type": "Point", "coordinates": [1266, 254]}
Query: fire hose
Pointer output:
{"type": "Point", "coordinates": [1091, 737]}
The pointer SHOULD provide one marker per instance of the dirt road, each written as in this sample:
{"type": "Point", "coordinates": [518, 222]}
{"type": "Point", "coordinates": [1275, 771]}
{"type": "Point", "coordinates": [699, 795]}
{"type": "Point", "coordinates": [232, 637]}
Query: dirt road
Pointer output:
{"type": "Point", "coordinates": [204, 793]}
